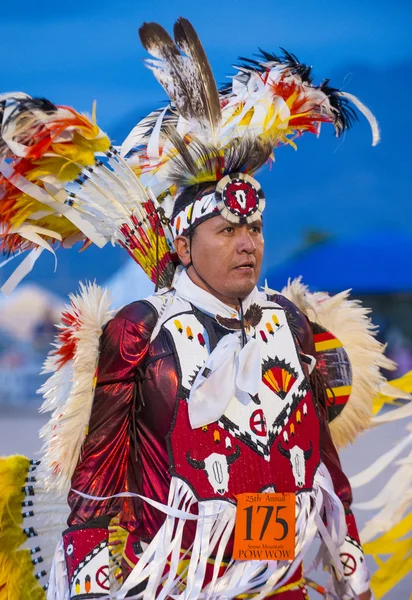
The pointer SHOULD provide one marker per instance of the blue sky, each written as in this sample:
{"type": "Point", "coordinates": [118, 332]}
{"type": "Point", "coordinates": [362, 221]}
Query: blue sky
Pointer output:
{"type": "Point", "coordinates": [76, 52]}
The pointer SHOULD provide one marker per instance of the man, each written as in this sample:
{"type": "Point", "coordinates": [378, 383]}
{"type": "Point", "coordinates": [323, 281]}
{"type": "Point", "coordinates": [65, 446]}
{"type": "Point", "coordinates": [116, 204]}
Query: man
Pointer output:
{"type": "Point", "coordinates": [143, 434]}
{"type": "Point", "coordinates": [199, 460]}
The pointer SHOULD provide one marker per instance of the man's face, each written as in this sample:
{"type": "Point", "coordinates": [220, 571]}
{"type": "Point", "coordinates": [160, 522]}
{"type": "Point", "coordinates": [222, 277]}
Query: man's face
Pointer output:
{"type": "Point", "coordinates": [227, 257]}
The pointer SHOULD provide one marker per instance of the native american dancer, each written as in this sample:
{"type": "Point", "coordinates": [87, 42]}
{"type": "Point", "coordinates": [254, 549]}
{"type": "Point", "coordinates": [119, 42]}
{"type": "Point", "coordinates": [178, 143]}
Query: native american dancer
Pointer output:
{"type": "Point", "coordinates": [192, 443]}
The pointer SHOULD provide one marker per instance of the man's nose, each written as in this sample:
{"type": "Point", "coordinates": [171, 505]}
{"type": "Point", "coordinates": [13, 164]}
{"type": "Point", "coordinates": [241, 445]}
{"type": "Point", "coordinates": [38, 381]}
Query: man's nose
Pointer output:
{"type": "Point", "coordinates": [246, 242]}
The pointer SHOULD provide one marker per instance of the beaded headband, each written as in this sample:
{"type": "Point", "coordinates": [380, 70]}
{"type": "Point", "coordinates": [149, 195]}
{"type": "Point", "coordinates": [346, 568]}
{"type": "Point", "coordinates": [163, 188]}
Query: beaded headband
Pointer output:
{"type": "Point", "coordinates": [239, 198]}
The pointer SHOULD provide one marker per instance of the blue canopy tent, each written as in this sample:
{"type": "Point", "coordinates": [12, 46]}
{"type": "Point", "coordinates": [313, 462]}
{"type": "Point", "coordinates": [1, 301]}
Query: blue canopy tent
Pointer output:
{"type": "Point", "coordinates": [373, 263]}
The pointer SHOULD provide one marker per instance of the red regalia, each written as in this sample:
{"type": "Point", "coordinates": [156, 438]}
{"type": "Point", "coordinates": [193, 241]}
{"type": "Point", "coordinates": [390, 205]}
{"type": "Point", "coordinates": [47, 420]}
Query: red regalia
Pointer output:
{"type": "Point", "coordinates": [165, 412]}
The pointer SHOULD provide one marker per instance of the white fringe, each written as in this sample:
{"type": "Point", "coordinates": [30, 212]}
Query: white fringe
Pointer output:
{"type": "Point", "coordinates": [348, 320]}
{"type": "Point", "coordinates": [215, 525]}
{"type": "Point", "coordinates": [49, 520]}
{"type": "Point", "coordinates": [395, 499]}
{"type": "Point", "coordinates": [58, 582]}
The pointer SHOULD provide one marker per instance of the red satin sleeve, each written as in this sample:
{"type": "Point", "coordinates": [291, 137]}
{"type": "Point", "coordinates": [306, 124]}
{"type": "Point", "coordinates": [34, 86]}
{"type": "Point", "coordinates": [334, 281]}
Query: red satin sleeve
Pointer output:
{"type": "Point", "coordinates": [107, 463]}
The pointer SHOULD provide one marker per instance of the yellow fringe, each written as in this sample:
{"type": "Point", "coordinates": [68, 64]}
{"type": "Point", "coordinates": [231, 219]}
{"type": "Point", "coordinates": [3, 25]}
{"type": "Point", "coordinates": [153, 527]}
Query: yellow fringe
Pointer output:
{"type": "Point", "coordinates": [399, 564]}
{"type": "Point", "coordinates": [17, 581]}
{"type": "Point", "coordinates": [13, 472]}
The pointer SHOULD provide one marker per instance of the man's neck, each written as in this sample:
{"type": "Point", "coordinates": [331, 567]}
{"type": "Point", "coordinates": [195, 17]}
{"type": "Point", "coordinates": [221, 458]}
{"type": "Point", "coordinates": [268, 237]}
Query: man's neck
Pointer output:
{"type": "Point", "coordinates": [200, 282]}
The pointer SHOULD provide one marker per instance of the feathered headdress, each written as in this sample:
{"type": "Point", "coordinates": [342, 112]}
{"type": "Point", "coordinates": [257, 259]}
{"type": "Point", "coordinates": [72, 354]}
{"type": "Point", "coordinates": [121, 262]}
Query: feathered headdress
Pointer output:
{"type": "Point", "coordinates": [61, 180]}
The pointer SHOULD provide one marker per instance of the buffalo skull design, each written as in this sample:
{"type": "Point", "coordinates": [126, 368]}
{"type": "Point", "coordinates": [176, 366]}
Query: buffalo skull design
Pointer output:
{"type": "Point", "coordinates": [297, 458]}
{"type": "Point", "coordinates": [216, 466]}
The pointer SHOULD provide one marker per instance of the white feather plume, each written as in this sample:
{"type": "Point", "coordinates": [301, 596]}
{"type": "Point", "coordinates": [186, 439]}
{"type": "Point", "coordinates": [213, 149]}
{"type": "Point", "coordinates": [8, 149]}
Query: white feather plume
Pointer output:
{"type": "Point", "coordinates": [348, 320]}
{"type": "Point", "coordinates": [68, 392]}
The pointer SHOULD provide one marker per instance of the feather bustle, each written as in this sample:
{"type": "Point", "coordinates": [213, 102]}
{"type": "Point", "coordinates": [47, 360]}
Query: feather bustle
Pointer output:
{"type": "Point", "coordinates": [68, 392]}
{"type": "Point", "coordinates": [349, 322]}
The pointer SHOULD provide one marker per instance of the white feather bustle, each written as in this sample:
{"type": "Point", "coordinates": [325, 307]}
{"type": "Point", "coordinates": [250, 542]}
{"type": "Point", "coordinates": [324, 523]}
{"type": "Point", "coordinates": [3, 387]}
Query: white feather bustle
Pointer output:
{"type": "Point", "coordinates": [68, 392]}
{"type": "Point", "coordinates": [348, 320]}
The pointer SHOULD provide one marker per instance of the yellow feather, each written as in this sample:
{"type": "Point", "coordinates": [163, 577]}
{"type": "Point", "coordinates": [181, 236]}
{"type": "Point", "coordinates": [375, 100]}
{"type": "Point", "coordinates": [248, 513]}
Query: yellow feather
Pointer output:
{"type": "Point", "coordinates": [234, 114]}
{"type": "Point", "coordinates": [58, 223]}
{"type": "Point", "coordinates": [81, 149]}
{"type": "Point", "coordinates": [59, 166]}
{"type": "Point", "coordinates": [269, 115]}
{"type": "Point", "coordinates": [26, 206]}
{"type": "Point", "coordinates": [247, 118]}
{"type": "Point", "coordinates": [291, 99]}
{"type": "Point", "coordinates": [17, 581]}
{"type": "Point", "coordinates": [403, 383]}
{"type": "Point", "coordinates": [13, 472]}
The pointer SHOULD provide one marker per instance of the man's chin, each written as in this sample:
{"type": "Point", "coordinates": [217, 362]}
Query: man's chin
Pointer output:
{"type": "Point", "coordinates": [241, 291]}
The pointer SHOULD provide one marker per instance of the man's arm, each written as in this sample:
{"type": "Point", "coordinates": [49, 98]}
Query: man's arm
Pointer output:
{"type": "Point", "coordinates": [108, 463]}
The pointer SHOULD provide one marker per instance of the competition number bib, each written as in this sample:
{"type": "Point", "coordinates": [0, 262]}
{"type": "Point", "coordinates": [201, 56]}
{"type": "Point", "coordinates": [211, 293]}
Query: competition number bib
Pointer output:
{"type": "Point", "coordinates": [265, 526]}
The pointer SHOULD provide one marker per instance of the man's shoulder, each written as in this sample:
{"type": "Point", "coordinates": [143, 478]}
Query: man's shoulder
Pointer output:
{"type": "Point", "coordinates": [147, 309]}
{"type": "Point", "coordinates": [283, 302]}
{"type": "Point", "coordinates": [297, 319]}
{"type": "Point", "coordinates": [134, 321]}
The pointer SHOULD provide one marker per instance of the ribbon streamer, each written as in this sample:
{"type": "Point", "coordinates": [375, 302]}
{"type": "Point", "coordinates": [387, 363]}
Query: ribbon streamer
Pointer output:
{"type": "Point", "coordinates": [29, 188]}
{"type": "Point", "coordinates": [22, 270]}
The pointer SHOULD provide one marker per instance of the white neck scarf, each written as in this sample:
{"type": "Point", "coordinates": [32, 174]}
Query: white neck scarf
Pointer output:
{"type": "Point", "coordinates": [230, 366]}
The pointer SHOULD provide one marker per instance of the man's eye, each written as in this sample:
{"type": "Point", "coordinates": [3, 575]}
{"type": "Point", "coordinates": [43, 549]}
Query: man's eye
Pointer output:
{"type": "Point", "coordinates": [256, 229]}
{"type": "Point", "coordinates": [229, 229]}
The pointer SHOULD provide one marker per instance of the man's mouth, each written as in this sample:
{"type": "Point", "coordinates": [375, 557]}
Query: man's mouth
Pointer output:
{"type": "Point", "coordinates": [246, 266]}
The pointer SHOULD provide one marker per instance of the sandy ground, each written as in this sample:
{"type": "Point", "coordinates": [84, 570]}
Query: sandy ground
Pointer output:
{"type": "Point", "coordinates": [18, 434]}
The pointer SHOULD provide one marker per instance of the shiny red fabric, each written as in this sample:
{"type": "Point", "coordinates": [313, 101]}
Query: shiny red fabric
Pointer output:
{"type": "Point", "coordinates": [136, 393]}
{"type": "Point", "coordinates": [109, 463]}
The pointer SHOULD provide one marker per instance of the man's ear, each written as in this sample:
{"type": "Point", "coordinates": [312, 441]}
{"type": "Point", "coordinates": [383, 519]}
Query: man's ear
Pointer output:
{"type": "Point", "coordinates": [182, 247]}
